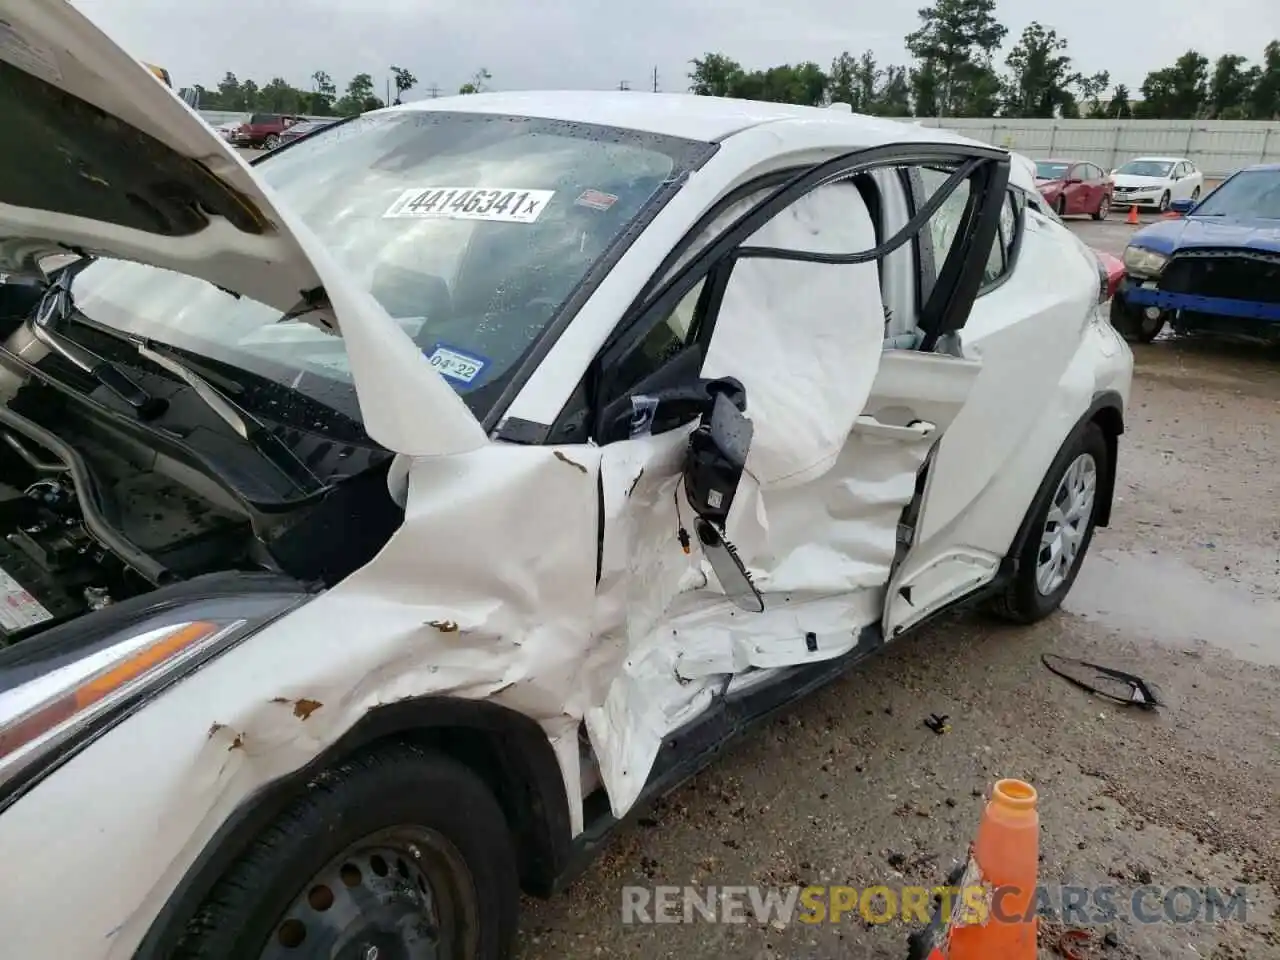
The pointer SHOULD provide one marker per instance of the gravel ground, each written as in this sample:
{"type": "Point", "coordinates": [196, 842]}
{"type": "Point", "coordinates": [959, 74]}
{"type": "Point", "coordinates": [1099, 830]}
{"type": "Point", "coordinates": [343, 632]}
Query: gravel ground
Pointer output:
{"type": "Point", "coordinates": [851, 787]}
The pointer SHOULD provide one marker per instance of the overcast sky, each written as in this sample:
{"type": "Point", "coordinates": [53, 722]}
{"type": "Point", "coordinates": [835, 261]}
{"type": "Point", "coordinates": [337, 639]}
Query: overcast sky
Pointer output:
{"type": "Point", "coordinates": [556, 44]}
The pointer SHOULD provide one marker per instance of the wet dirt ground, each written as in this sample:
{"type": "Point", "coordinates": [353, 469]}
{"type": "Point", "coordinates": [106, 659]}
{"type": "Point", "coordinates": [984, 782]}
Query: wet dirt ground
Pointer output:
{"type": "Point", "coordinates": [851, 787]}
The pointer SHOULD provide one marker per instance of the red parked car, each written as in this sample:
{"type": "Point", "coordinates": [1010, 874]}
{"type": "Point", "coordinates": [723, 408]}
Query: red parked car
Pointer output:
{"type": "Point", "coordinates": [1074, 186]}
{"type": "Point", "coordinates": [263, 130]}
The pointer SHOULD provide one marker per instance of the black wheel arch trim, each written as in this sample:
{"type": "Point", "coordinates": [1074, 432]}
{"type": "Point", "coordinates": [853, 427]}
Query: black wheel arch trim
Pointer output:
{"type": "Point", "coordinates": [1106, 410]}
{"type": "Point", "coordinates": [507, 749]}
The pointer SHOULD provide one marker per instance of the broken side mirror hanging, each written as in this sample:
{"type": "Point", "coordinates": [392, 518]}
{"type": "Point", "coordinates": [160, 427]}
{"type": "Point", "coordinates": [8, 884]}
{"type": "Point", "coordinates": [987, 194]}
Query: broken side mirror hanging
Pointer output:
{"type": "Point", "coordinates": [714, 464]}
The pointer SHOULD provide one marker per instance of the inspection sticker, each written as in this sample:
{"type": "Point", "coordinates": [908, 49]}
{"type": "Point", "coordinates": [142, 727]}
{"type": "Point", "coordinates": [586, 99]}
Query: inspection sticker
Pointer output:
{"type": "Point", "coordinates": [502, 204]}
{"type": "Point", "coordinates": [596, 200]}
{"type": "Point", "coordinates": [18, 608]}
{"type": "Point", "coordinates": [456, 364]}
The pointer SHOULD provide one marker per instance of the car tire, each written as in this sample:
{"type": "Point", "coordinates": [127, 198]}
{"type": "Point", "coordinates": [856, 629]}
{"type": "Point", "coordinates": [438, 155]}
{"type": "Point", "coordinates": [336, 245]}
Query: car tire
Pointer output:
{"type": "Point", "coordinates": [1079, 469]}
{"type": "Point", "coordinates": [1164, 202]}
{"type": "Point", "coordinates": [271, 142]}
{"type": "Point", "coordinates": [1062, 206]}
{"type": "Point", "coordinates": [1195, 194]}
{"type": "Point", "coordinates": [1132, 322]}
{"type": "Point", "coordinates": [416, 838]}
{"type": "Point", "coordinates": [1104, 208]}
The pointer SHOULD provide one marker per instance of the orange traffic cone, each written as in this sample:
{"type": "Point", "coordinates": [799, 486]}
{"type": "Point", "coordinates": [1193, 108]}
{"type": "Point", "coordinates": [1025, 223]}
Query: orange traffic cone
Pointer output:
{"type": "Point", "coordinates": [1004, 861]}
{"type": "Point", "coordinates": [1132, 219]}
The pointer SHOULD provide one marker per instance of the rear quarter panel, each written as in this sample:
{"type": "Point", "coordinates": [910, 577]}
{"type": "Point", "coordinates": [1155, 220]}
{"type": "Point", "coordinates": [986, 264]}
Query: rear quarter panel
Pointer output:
{"type": "Point", "coordinates": [1047, 350]}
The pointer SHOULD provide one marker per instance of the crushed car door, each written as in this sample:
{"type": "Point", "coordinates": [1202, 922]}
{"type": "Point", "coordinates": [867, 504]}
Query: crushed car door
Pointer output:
{"type": "Point", "coordinates": [786, 305]}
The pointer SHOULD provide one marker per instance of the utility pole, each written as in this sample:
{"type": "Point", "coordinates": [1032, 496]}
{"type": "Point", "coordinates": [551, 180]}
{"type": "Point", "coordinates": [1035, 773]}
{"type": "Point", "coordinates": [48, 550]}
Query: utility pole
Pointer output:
{"type": "Point", "coordinates": [655, 79]}
{"type": "Point", "coordinates": [433, 91]}
{"type": "Point", "coordinates": [624, 85]}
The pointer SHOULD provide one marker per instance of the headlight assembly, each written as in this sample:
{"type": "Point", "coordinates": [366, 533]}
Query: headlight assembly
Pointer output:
{"type": "Point", "coordinates": [57, 692]}
{"type": "Point", "coordinates": [1142, 262]}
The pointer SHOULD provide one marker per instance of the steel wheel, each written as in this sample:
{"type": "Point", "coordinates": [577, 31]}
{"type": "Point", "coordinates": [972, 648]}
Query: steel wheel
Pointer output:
{"type": "Point", "coordinates": [1064, 529]}
{"type": "Point", "coordinates": [1164, 202]}
{"type": "Point", "coordinates": [400, 894]}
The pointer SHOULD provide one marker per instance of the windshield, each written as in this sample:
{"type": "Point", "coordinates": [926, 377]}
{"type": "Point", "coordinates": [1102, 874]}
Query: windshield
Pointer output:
{"type": "Point", "coordinates": [471, 230]}
{"type": "Point", "coordinates": [1254, 193]}
{"type": "Point", "coordinates": [1051, 170]}
{"type": "Point", "coordinates": [1146, 168]}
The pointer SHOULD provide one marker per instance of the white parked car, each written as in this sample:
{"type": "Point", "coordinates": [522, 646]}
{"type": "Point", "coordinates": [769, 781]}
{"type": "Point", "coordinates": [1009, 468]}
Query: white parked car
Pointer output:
{"type": "Point", "coordinates": [389, 519]}
{"type": "Point", "coordinates": [1155, 182]}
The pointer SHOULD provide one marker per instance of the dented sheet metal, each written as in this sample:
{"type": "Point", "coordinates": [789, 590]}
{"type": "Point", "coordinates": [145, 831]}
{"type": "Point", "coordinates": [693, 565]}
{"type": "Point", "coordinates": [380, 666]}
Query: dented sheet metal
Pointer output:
{"type": "Point", "coordinates": [815, 518]}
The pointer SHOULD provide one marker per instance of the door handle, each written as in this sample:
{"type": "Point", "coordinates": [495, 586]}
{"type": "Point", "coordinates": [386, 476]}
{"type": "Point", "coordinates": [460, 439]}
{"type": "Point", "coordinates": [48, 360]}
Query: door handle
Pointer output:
{"type": "Point", "coordinates": [871, 427]}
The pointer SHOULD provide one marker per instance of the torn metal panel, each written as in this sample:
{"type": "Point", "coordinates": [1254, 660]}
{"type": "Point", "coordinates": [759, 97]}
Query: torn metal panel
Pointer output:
{"type": "Point", "coordinates": [815, 516]}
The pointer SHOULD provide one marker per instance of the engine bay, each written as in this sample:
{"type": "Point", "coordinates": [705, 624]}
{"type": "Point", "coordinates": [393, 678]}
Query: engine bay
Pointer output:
{"type": "Point", "coordinates": [93, 512]}
{"type": "Point", "coordinates": [53, 568]}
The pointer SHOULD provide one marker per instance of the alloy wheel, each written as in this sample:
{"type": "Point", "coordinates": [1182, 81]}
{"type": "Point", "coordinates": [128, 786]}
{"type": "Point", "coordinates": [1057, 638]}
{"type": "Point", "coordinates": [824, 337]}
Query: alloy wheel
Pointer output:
{"type": "Point", "coordinates": [1067, 523]}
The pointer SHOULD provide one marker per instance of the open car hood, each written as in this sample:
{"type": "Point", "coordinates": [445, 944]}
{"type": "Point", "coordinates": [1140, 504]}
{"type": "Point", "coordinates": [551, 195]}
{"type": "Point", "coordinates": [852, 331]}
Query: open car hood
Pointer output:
{"type": "Point", "coordinates": [104, 159]}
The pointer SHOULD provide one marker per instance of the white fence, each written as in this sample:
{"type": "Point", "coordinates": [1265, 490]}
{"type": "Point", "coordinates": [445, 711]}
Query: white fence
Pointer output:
{"type": "Point", "coordinates": [216, 118]}
{"type": "Point", "coordinates": [1218, 147]}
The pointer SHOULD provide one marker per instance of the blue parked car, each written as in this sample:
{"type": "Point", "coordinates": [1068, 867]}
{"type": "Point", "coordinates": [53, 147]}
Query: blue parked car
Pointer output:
{"type": "Point", "coordinates": [1215, 269]}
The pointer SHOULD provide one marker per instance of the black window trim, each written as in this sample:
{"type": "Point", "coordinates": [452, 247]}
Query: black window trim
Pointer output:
{"type": "Point", "coordinates": [658, 297]}
{"type": "Point", "coordinates": [1009, 252]}
{"type": "Point", "coordinates": [971, 160]}
{"type": "Point", "coordinates": [972, 163]}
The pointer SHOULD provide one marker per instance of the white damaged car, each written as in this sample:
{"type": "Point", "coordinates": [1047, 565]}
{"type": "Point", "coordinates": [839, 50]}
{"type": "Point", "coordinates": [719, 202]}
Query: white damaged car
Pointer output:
{"type": "Point", "coordinates": [385, 521]}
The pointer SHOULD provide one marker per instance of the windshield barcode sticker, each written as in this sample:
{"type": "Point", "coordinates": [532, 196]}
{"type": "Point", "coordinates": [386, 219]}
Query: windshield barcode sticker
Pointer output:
{"type": "Point", "coordinates": [470, 203]}
{"type": "Point", "coordinates": [454, 364]}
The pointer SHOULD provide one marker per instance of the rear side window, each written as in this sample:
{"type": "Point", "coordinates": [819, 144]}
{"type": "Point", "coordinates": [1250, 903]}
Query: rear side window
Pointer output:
{"type": "Point", "coordinates": [1000, 260]}
{"type": "Point", "coordinates": [262, 118]}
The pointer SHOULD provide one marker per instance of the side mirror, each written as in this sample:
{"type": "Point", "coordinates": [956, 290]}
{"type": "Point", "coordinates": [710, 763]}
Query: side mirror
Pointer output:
{"type": "Point", "coordinates": [718, 451]}
{"type": "Point", "coordinates": [714, 463]}
{"type": "Point", "coordinates": [1182, 207]}
{"type": "Point", "coordinates": [669, 397]}
{"type": "Point", "coordinates": [640, 414]}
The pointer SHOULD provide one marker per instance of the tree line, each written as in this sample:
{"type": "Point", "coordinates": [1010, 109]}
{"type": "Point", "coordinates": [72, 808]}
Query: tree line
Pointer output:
{"type": "Point", "coordinates": [954, 73]}
{"type": "Point", "coordinates": [321, 100]}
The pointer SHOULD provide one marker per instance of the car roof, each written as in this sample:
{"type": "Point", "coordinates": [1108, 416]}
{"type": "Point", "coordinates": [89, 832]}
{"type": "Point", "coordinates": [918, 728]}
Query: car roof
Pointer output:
{"type": "Point", "coordinates": [709, 119]}
{"type": "Point", "coordinates": [1162, 159]}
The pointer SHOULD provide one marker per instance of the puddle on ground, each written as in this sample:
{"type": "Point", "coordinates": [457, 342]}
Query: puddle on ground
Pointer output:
{"type": "Point", "coordinates": [1172, 602]}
